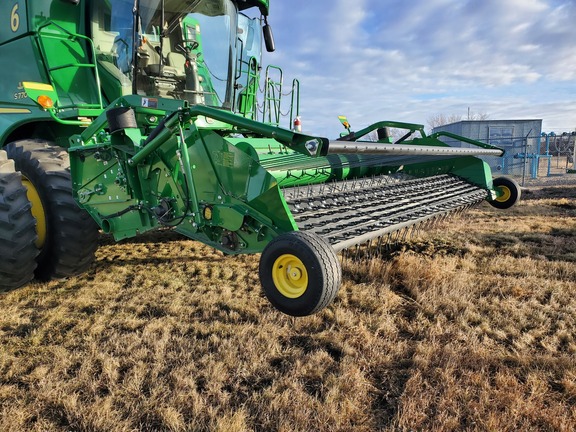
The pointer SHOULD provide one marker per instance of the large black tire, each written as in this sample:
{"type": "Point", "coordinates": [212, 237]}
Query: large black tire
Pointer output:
{"type": "Point", "coordinates": [17, 229]}
{"type": "Point", "coordinates": [300, 273]}
{"type": "Point", "coordinates": [71, 236]}
{"type": "Point", "coordinates": [509, 191]}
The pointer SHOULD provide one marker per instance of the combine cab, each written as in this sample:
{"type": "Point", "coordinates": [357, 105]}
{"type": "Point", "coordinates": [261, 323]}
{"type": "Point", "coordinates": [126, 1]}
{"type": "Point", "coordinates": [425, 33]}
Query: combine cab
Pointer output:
{"type": "Point", "coordinates": [173, 140]}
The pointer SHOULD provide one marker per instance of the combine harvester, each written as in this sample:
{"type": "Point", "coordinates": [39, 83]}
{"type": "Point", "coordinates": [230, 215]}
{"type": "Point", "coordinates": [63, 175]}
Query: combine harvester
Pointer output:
{"type": "Point", "coordinates": [126, 116]}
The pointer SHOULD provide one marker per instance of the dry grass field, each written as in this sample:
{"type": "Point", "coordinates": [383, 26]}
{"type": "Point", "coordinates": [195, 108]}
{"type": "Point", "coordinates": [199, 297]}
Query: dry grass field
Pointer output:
{"type": "Point", "coordinates": [471, 327]}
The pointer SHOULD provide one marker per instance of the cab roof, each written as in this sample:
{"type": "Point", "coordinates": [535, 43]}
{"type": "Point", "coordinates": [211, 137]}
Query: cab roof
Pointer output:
{"type": "Point", "coordinates": [263, 5]}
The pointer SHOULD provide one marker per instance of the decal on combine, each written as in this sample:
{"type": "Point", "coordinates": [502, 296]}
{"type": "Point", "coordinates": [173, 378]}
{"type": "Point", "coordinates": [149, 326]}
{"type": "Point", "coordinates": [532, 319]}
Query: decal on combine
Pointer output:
{"type": "Point", "coordinates": [14, 19]}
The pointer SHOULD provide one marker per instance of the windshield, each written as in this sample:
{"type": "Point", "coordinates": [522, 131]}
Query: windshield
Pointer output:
{"type": "Point", "coordinates": [250, 36]}
{"type": "Point", "coordinates": [184, 50]}
{"type": "Point", "coordinates": [249, 59]}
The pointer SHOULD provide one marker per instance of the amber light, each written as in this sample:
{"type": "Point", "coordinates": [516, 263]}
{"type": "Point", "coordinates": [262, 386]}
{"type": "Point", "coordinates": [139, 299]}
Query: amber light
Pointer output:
{"type": "Point", "coordinates": [45, 101]}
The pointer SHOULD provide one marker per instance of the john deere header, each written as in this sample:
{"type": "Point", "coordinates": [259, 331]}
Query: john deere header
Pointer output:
{"type": "Point", "coordinates": [122, 117]}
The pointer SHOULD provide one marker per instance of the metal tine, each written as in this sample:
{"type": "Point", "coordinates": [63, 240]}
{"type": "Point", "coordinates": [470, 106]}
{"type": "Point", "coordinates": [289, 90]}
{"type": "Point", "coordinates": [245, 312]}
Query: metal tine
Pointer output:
{"type": "Point", "coordinates": [388, 239]}
{"type": "Point", "coordinates": [413, 231]}
{"type": "Point", "coordinates": [424, 227]}
{"type": "Point", "coordinates": [419, 229]}
{"type": "Point", "coordinates": [396, 240]}
{"type": "Point", "coordinates": [357, 252]}
{"type": "Point", "coordinates": [404, 232]}
{"type": "Point", "coordinates": [349, 254]}
{"type": "Point", "coordinates": [397, 235]}
{"type": "Point", "coordinates": [400, 236]}
{"type": "Point", "coordinates": [344, 254]}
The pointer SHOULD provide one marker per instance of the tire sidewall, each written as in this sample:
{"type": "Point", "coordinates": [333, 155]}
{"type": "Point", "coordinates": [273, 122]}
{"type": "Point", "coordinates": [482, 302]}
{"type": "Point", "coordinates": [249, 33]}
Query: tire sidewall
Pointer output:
{"type": "Point", "coordinates": [36, 174]}
{"type": "Point", "coordinates": [18, 229]}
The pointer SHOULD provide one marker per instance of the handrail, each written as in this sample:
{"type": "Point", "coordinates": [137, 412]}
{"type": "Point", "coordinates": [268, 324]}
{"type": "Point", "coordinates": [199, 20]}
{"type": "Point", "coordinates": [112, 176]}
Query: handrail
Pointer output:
{"type": "Point", "coordinates": [272, 86]}
{"type": "Point", "coordinates": [251, 90]}
{"type": "Point", "coordinates": [295, 97]}
{"type": "Point", "coordinates": [72, 36]}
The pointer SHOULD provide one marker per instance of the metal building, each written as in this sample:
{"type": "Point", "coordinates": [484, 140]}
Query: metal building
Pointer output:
{"type": "Point", "coordinates": [520, 139]}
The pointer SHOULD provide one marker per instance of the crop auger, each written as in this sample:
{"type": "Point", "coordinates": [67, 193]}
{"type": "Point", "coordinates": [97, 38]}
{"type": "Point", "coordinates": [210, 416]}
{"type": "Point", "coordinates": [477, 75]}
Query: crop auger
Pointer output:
{"type": "Point", "coordinates": [104, 133]}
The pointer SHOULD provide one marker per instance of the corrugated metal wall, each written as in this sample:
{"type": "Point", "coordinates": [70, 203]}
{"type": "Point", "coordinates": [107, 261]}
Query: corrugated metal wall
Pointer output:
{"type": "Point", "coordinates": [515, 136]}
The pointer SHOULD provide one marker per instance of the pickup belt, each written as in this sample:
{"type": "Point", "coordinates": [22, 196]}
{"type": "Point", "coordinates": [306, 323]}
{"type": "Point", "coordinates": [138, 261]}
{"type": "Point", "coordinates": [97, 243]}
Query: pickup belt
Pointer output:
{"type": "Point", "coordinates": [354, 212]}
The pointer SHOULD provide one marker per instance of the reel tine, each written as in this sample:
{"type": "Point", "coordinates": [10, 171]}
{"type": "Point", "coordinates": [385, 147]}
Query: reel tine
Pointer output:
{"type": "Point", "coordinates": [345, 255]}
{"type": "Point", "coordinates": [405, 232]}
{"type": "Point", "coordinates": [412, 232]}
{"type": "Point", "coordinates": [379, 246]}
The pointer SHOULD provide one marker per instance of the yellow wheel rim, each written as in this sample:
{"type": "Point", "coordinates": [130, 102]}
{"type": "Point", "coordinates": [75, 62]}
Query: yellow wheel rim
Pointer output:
{"type": "Point", "coordinates": [37, 211]}
{"type": "Point", "coordinates": [290, 276]}
{"type": "Point", "coordinates": [506, 194]}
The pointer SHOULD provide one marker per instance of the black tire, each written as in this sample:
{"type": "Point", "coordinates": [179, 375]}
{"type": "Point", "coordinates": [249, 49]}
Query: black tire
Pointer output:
{"type": "Point", "coordinates": [71, 236]}
{"type": "Point", "coordinates": [509, 191]}
{"type": "Point", "coordinates": [315, 278]}
{"type": "Point", "coordinates": [17, 229]}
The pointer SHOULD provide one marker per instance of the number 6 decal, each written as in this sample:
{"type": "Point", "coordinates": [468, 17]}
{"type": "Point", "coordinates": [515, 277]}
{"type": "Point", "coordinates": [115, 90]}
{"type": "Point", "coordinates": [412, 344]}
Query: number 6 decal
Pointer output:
{"type": "Point", "coordinates": [14, 19]}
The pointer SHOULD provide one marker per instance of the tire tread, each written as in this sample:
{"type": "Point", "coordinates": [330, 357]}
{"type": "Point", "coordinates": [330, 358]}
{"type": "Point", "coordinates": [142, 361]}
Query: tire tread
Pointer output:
{"type": "Point", "coordinates": [72, 236]}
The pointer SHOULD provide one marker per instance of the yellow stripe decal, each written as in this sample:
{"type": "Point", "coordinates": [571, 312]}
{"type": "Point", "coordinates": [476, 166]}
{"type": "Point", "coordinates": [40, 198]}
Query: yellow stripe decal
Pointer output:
{"type": "Point", "coordinates": [14, 111]}
{"type": "Point", "coordinates": [38, 86]}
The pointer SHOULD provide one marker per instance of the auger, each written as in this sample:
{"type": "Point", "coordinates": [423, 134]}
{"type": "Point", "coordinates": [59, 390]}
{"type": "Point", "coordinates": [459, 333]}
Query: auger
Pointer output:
{"type": "Point", "coordinates": [129, 116]}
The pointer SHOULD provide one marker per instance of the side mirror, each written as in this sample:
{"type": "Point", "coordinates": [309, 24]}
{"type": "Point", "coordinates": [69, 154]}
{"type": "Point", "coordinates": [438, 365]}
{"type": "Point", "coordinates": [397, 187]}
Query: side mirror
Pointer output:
{"type": "Point", "coordinates": [268, 38]}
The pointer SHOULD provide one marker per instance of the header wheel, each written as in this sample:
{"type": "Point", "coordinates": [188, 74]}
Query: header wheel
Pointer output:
{"type": "Point", "coordinates": [300, 273]}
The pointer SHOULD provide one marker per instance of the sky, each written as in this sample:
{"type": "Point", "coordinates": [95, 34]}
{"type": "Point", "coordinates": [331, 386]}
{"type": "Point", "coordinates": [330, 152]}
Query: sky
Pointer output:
{"type": "Point", "coordinates": [408, 60]}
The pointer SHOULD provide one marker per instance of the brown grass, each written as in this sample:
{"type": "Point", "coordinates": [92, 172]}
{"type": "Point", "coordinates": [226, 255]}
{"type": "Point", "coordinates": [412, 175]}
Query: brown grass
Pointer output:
{"type": "Point", "coordinates": [471, 327]}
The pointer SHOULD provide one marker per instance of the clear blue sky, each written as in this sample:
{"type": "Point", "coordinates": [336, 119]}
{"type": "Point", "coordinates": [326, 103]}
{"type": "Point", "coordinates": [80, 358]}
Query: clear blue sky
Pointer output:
{"type": "Point", "coordinates": [409, 60]}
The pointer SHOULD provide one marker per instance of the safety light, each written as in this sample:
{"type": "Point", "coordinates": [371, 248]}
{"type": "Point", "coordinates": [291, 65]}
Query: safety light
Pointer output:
{"type": "Point", "coordinates": [45, 101]}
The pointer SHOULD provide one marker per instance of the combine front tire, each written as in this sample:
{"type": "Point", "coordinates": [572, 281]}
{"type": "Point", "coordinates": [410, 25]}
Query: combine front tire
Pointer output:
{"type": "Point", "coordinates": [300, 273]}
{"type": "Point", "coordinates": [67, 235]}
{"type": "Point", "coordinates": [17, 229]}
{"type": "Point", "coordinates": [508, 193]}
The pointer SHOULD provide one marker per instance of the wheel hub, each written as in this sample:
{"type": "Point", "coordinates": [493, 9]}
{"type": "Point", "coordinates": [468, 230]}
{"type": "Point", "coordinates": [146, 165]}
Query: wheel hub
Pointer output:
{"type": "Point", "coordinates": [506, 193]}
{"type": "Point", "coordinates": [290, 276]}
{"type": "Point", "coordinates": [37, 211]}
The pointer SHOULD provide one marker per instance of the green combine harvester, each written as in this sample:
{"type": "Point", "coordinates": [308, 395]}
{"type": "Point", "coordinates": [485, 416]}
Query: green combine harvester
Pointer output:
{"type": "Point", "coordinates": [126, 116]}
